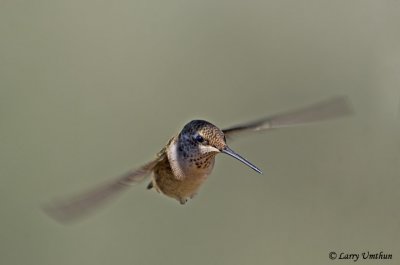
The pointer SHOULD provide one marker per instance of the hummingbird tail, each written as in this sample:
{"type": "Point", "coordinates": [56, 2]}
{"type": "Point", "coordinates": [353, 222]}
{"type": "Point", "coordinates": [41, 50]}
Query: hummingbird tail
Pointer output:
{"type": "Point", "coordinates": [150, 185]}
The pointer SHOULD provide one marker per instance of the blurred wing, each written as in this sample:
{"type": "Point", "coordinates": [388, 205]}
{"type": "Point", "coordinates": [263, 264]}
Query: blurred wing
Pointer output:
{"type": "Point", "coordinates": [329, 109]}
{"type": "Point", "coordinates": [72, 209]}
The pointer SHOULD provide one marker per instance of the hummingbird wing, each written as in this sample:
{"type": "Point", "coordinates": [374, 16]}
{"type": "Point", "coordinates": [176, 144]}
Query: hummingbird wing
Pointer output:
{"type": "Point", "coordinates": [71, 209]}
{"type": "Point", "coordinates": [328, 109]}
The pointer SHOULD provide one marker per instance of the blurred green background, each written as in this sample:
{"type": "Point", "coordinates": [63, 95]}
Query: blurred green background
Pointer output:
{"type": "Point", "coordinates": [89, 89]}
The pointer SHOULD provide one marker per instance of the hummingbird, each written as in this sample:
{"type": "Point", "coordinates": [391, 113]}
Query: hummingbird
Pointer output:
{"type": "Point", "coordinates": [186, 161]}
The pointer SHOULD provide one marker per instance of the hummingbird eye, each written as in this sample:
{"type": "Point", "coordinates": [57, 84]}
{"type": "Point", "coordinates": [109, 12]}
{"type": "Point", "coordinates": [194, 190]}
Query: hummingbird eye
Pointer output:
{"type": "Point", "coordinates": [199, 138]}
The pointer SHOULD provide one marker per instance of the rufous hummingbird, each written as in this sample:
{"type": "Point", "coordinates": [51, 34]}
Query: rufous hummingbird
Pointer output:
{"type": "Point", "coordinates": [186, 161]}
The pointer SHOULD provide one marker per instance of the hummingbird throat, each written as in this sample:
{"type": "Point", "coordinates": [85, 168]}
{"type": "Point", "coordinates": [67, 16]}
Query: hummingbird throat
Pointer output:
{"type": "Point", "coordinates": [187, 159]}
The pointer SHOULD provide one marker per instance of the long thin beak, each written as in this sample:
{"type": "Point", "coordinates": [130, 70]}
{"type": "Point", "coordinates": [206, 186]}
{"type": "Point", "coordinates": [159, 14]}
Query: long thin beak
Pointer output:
{"type": "Point", "coordinates": [232, 153]}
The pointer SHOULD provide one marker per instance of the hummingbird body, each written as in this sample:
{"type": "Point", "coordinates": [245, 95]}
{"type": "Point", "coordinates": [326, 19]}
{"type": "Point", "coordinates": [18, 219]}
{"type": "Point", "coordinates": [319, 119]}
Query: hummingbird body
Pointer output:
{"type": "Point", "coordinates": [188, 158]}
{"type": "Point", "coordinates": [180, 187]}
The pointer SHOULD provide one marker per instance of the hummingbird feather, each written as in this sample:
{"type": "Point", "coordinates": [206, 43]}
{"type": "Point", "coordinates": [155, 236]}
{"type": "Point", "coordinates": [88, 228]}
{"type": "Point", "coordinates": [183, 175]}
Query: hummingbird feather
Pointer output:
{"type": "Point", "coordinates": [332, 108]}
{"type": "Point", "coordinates": [69, 210]}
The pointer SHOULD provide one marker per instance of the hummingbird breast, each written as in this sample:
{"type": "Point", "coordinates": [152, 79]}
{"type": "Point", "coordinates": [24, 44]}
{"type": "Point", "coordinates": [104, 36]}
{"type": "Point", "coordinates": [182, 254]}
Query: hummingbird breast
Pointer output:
{"type": "Point", "coordinates": [180, 173]}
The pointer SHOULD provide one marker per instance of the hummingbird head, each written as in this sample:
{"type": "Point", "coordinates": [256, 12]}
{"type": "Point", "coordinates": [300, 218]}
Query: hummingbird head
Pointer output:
{"type": "Point", "coordinates": [203, 138]}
